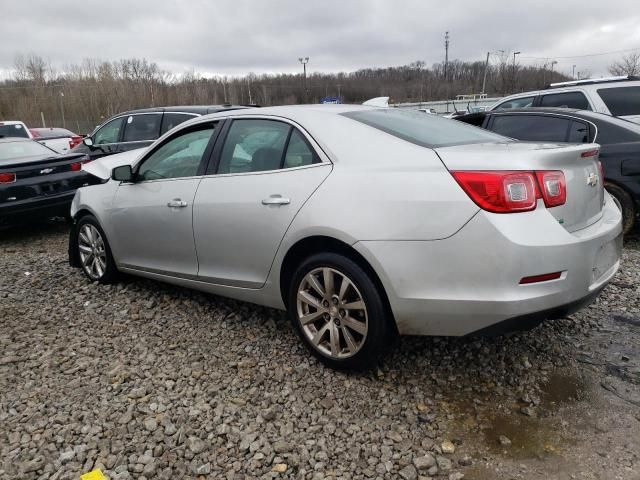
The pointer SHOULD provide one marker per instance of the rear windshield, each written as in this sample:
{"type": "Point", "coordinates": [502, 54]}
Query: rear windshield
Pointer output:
{"type": "Point", "coordinates": [15, 130]}
{"type": "Point", "coordinates": [11, 150]}
{"type": "Point", "coordinates": [51, 132]}
{"type": "Point", "coordinates": [424, 130]}
{"type": "Point", "coordinates": [621, 100]}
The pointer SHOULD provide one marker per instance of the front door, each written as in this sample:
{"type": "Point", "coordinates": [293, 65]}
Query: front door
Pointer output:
{"type": "Point", "coordinates": [152, 216]}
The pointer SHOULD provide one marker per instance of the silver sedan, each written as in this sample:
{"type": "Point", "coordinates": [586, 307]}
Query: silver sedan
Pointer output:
{"type": "Point", "coordinates": [361, 222]}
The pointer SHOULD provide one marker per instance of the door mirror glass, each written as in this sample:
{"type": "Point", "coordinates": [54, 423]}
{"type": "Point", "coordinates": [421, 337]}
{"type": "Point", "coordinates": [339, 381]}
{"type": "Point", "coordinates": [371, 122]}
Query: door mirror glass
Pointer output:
{"type": "Point", "coordinates": [123, 173]}
{"type": "Point", "coordinates": [88, 141]}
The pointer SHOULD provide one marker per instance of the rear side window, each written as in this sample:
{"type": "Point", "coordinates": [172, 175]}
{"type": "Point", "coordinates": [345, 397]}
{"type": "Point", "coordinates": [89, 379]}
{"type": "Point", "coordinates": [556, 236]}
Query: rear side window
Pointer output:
{"type": "Point", "coordinates": [533, 128]}
{"type": "Point", "coordinates": [142, 127]}
{"type": "Point", "coordinates": [578, 132]}
{"type": "Point", "coordinates": [299, 153]}
{"type": "Point", "coordinates": [523, 102]}
{"type": "Point", "coordinates": [424, 130]}
{"type": "Point", "coordinates": [170, 120]}
{"type": "Point", "coordinates": [566, 100]}
{"type": "Point", "coordinates": [621, 100]}
{"type": "Point", "coordinates": [15, 130]}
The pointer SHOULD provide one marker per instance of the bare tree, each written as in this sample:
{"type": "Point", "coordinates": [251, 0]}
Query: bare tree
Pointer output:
{"type": "Point", "coordinates": [628, 65]}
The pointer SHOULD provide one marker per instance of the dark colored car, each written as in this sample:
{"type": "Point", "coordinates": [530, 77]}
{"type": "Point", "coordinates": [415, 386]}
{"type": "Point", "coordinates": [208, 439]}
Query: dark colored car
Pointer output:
{"type": "Point", "coordinates": [619, 143]}
{"type": "Point", "coordinates": [140, 128]}
{"type": "Point", "coordinates": [36, 182]}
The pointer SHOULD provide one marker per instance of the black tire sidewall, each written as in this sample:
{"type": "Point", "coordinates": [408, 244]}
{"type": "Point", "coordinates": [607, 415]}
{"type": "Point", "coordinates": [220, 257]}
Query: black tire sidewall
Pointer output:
{"type": "Point", "coordinates": [111, 272]}
{"type": "Point", "coordinates": [626, 202]}
{"type": "Point", "coordinates": [378, 324]}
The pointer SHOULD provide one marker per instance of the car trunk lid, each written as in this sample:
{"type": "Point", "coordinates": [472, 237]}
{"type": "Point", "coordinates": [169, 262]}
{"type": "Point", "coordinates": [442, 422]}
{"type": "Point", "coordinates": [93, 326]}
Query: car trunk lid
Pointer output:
{"type": "Point", "coordinates": [579, 164]}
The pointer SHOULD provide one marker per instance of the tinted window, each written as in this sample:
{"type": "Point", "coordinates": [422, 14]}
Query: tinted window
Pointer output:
{"type": "Point", "coordinates": [566, 100]}
{"type": "Point", "coordinates": [109, 133]}
{"type": "Point", "coordinates": [523, 102]}
{"type": "Point", "coordinates": [534, 128]}
{"type": "Point", "coordinates": [299, 153]}
{"type": "Point", "coordinates": [253, 146]}
{"type": "Point", "coordinates": [13, 131]}
{"type": "Point", "coordinates": [578, 132]}
{"type": "Point", "coordinates": [170, 120]}
{"type": "Point", "coordinates": [621, 100]}
{"type": "Point", "coordinates": [11, 150]}
{"type": "Point", "coordinates": [178, 157]}
{"type": "Point", "coordinates": [421, 129]}
{"type": "Point", "coordinates": [51, 132]}
{"type": "Point", "coordinates": [142, 127]}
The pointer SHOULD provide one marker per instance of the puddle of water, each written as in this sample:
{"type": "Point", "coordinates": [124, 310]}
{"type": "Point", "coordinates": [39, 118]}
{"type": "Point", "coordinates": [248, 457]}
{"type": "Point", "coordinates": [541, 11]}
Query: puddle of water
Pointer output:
{"type": "Point", "coordinates": [562, 389]}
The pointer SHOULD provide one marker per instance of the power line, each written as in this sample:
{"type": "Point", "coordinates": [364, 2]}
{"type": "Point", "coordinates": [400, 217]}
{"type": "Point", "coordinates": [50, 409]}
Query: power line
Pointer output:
{"type": "Point", "coordinates": [585, 55]}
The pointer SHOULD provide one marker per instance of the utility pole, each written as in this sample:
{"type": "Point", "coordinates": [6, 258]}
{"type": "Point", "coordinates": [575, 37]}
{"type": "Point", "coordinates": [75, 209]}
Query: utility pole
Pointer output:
{"type": "Point", "coordinates": [552, 64]}
{"type": "Point", "coordinates": [304, 61]}
{"type": "Point", "coordinates": [224, 90]}
{"type": "Point", "coordinates": [574, 72]}
{"type": "Point", "coordinates": [446, 56]}
{"type": "Point", "coordinates": [249, 88]}
{"type": "Point", "coordinates": [514, 69]}
{"type": "Point", "coordinates": [484, 79]}
{"type": "Point", "coordinates": [64, 124]}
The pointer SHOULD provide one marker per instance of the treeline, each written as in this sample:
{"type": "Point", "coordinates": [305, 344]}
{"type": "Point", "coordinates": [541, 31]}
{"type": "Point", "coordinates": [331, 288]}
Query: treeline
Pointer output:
{"type": "Point", "coordinates": [83, 95]}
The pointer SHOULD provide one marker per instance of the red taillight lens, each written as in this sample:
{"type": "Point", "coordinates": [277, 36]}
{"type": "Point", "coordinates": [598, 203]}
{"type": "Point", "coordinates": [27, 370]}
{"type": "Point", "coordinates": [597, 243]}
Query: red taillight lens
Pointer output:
{"type": "Point", "coordinates": [500, 192]}
{"type": "Point", "coordinates": [77, 166]}
{"type": "Point", "coordinates": [75, 140]}
{"type": "Point", "coordinates": [601, 172]}
{"type": "Point", "coordinates": [540, 278]}
{"type": "Point", "coordinates": [553, 187]}
{"type": "Point", "coordinates": [7, 177]}
{"type": "Point", "coordinates": [590, 153]}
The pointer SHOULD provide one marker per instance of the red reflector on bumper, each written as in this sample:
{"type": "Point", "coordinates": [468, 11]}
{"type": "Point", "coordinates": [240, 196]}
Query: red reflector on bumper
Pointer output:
{"type": "Point", "coordinates": [540, 278]}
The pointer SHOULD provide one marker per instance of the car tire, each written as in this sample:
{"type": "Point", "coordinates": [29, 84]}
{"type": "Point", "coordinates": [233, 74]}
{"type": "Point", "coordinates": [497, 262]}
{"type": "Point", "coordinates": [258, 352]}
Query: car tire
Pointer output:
{"type": "Point", "coordinates": [346, 327]}
{"type": "Point", "coordinates": [94, 252]}
{"type": "Point", "coordinates": [627, 207]}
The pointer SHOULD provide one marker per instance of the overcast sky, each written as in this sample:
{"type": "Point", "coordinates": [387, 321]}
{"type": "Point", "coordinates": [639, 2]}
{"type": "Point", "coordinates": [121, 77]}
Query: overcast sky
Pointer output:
{"type": "Point", "coordinates": [240, 36]}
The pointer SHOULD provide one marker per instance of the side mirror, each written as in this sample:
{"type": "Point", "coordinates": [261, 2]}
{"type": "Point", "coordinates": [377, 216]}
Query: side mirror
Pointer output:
{"type": "Point", "coordinates": [88, 141]}
{"type": "Point", "coordinates": [123, 173]}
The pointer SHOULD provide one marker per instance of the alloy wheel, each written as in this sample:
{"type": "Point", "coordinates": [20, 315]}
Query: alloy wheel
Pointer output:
{"type": "Point", "coordinates": [332, 313]}
{"type": "Point", "coordinates": [93, 255]}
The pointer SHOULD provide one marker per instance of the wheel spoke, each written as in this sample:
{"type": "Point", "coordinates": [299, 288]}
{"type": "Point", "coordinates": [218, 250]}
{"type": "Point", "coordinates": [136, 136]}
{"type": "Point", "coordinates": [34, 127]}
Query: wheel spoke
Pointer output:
{"type": "Point", "coordinates": [309, 299]}
{"type": "Point", "coordinates": [327, 275]}
{"type": "Point", "coordinates": [355, 325]}
{"type": "Point", "coordinates": [84, 248]}
{"type": "Point", "coordinates": [83, 237]}
{"type": "Point", "coordinates": [343, 288]}
{"type": "Point", "coordinates": [357, 305]}
{"type": "Point", "coordinates": [351, 344]}
{"type": "Point", "coordinates": [318, 336]}
{"type": "Point", "coordinates": [99, 266]}
{"type": "Point", "coordinates": [315, 284]}
{"type": "Point", "coordinates": [334, 339]}
{"type": "Point", "coordinates": [311, 317]}
{"type": "Point", "coordinates": [87, 259]}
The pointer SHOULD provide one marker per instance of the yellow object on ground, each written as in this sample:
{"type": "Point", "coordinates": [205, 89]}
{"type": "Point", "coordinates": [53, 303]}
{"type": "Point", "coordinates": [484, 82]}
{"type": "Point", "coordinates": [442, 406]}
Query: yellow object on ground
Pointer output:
{"type": "Point", "coordinates": [93, 475]}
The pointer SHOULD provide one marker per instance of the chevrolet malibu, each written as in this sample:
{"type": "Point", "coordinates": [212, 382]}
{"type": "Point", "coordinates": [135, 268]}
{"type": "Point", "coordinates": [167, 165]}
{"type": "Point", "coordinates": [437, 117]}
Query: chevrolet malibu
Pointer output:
{"type": "Point", "coordinates": [362, 223]}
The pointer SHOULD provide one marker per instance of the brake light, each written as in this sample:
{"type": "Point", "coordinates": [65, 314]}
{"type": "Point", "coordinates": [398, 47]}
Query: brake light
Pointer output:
{"type": "Point", "coordinates": [553, 187]}
{"type": "Point", "coordinates": [7, 177]}
{"type": "Point", "coordinates": [601, 172]}
{"type": "Point", "coordinates": [75, 140]}
{"type": "Point", "coordinates": [500, 191]}
{"type": "Point", "coordinates": [590, 153]}
{"type": "Point", "coordinates": [540, 278]}
{"type": "Point", "coordinates": [77, 166]}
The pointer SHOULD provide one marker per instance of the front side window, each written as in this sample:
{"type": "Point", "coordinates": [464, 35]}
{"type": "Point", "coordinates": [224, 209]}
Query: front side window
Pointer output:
{"type": "Point", "coordinates": [523, 102]}
{"type": "Point", "coordinates": [253, 146]}
{"type": "Point", "coordinates": [621, 100]}
{"type": "Point", "coordinates": [533, 128]}
{"type": "Point", "coordinates": [566, 100]}
{"type": "Point", "coordinates": [178, 157]}
{"type": "Point", "coordinates": [170, 120]}
{"type": "Point", "coordinates": [109, 133]}
{"type": "Point", "coordinates": [142, 127]}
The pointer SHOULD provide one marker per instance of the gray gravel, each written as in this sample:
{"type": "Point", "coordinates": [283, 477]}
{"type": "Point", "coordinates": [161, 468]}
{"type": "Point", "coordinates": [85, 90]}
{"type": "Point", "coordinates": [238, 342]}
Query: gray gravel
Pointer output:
{"type": "Point", "coordinates": [145, 380]}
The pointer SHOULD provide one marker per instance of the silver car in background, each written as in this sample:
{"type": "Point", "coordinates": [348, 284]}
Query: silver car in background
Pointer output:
{"type": "Point", "coordinates": [361, 222]}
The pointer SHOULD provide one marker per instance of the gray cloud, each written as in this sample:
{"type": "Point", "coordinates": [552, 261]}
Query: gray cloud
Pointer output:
{"type": "Point", "coordinates": [241, 36]}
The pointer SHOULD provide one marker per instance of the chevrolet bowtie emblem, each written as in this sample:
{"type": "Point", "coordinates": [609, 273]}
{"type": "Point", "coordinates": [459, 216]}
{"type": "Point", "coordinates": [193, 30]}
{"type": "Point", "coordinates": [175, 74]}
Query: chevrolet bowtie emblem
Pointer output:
{"type": "Point", "coordinates": [45, 171]}
{"type": "Point", "coordinates": [592, 179]}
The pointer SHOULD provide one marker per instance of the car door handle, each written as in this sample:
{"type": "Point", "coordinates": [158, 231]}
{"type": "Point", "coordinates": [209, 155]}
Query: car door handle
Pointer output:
{"type": "Point", "coordinates": [177, 203]}
{"type": "Point", "coordinates": [276, 200]}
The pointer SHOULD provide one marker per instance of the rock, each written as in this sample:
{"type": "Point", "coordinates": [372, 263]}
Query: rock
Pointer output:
{"type": "Point", "coordinates": [67, 456]}
{"type": "Point", "coordinates": [281, 447]}
{"type": "Point", "coordinates": [279, 468]}
{"type": "Point", "coordinates": [425, 462]}
{"type": "Point", "coordinates": [409, 473]}
{"type": "Point", "coordinates": [447, 447]}
{"type": "Point", "coordinates": [196, 445]}
{"type": "Point", "coordinates": [150, 424]}
{"type": "Point", "coordinates": [204, 469]}
{"type": "Point", "coordinates": [444, 464]}
{"type": "Point", "coordinates": [504, 440]}
{"type": "Point", "coordinates": [456, 476]}
{"type": "Point", "coordinates": [395, 436]}
{"type": "Point", "coordinates": [528, 411]}
{"type": "Point", "coordinates": [466, 461]}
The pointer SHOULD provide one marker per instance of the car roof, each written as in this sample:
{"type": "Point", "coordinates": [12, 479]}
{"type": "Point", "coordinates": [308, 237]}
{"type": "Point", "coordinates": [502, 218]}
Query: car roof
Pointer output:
{"type": "Point", "coordinates": [198, 109]}
{"type": "Point", "coordinates": [569, 87]}
{"type": "Point", "coordinates": [296, 111]}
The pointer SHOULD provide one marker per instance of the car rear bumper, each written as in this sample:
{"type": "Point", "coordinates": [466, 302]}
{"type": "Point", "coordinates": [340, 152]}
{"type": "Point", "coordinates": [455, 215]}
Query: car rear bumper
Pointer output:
{"type": "Point", "coordinates": [471, 280]}
{"type": "Point", "coordinates": [39, 206]}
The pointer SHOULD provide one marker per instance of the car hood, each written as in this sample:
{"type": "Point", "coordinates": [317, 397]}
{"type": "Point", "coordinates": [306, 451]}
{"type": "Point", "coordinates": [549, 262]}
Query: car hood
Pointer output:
{"type": "Point", "coordinates": [102, 167]}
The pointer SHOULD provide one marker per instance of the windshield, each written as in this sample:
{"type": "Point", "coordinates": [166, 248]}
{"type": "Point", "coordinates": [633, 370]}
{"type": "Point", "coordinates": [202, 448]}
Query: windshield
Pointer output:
{"type": "Point", "coordinates": [11, 150]}
{"type": "Point", "coordinates": [424, 130]}
{"type": "Point", "coordinates": [621, 100]}
{"type": "Point", "coordinates": [13, 130]}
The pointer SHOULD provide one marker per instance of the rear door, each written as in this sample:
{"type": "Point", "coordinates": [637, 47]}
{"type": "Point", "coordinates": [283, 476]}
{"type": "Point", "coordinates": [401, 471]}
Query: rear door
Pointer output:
{"type": "Point", "coordinates": [140, 130]}
{"type": "Point", "coordinates": [262, 175]}
{"type": "Point", "coordinates": [152, 217]}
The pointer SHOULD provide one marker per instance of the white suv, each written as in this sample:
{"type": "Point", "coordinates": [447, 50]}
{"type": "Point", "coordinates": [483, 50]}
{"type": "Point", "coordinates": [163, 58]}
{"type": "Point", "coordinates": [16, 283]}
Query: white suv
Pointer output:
{"type": "Point", "coordinates": [617, 96]}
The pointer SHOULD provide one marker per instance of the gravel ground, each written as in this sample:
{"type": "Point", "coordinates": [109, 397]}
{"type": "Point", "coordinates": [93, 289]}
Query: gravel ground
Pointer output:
{"type": "Point", "coordinates": [145, 380]}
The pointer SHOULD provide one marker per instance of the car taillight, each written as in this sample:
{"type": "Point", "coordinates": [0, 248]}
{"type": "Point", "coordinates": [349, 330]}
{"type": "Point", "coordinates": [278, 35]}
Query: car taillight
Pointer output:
{"type": "Point", "coordinates": [590, 153]}
{"type": "Point", "coordinates": [75, 140]}
{"type": "Point", "coordinates": [77, 166]}
{"type": "Point", "coordinates": [513, 191]}
{"type": "Point", "coordinates": [498, 191]}
{"type": "Point", "coordinates": [7, 177]}
{"type": "Point", "coordinates": [553, 187]}
{"type": "Point", "coordinates": [601, 172]}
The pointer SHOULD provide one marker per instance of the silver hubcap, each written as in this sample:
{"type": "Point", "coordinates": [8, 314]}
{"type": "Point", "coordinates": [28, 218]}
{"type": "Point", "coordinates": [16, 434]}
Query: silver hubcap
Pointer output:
{"type": "Point", "coordinates": [332, 313]}
{"type": "Point", "coordinates": [92, 252]}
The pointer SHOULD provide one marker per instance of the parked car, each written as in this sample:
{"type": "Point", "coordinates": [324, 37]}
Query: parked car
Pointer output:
{"type": "Point", "coordinates": [619, 144]}
{"type": "Point", "coordinates": [37, 182]}
{"type": "Point", "coordinates": [617, 96]}
{"type": "Point", "coordinates": [140, 128]}
{"type": "Point", "coordinates": [58, 139]}
{"type": "Point", "coordinates": [361, 222]}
